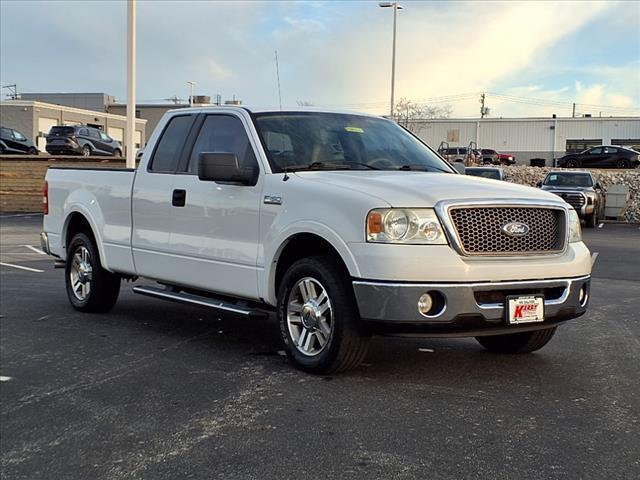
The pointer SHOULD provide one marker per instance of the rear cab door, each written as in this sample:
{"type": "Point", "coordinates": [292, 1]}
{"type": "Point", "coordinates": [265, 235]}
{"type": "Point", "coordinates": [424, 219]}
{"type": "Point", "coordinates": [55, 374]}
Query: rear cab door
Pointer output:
{"type": "Point", "coordinates": [152, 198]}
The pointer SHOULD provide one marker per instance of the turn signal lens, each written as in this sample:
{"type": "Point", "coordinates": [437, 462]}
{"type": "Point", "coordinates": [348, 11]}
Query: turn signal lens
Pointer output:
{"type": "Point", "coordinates": [374, 222]}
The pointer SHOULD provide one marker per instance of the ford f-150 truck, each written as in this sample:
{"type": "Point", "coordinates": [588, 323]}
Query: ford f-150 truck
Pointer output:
{"type": "Point", "coordinates": [345, 225]}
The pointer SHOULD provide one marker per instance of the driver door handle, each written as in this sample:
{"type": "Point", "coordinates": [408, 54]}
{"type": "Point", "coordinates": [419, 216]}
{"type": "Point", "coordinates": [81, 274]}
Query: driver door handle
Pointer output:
{"type": "Point", "coordinates": [179, 198]}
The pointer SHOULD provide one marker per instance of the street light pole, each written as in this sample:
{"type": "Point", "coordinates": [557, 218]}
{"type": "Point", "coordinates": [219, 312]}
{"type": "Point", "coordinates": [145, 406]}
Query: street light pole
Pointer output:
{"type": "Point", "coordinates": [191, 84]}
{"type": "Point", "coordinates": [396, 6]}
{"type": "Point", "coordinates": [131, 84]}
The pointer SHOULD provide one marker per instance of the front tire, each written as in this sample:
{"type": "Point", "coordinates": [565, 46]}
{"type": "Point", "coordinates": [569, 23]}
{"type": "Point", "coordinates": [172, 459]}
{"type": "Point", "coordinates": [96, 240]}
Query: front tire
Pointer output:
{"type": "Point", "coordinates": [572, 163]}
{"type": "Point", "coordinates": [86, 151]}
{"type": "Point", "coordinates": [319, 320]}
{"type": "Point", "coordinates": [590, 221]}
{"type": "Point", "coordinates": [117, 153]}
{"type": "Point", "coordinates": [623, 163]}
{"type": "Point", "coordinates": [90, 288]}
{"type": "Point", "coordinates": [523, 342]}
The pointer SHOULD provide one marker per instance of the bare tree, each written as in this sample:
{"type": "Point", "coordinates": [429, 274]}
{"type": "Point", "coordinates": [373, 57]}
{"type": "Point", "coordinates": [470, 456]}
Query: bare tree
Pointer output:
{"type": "Point", "coordinates": [409, 113]}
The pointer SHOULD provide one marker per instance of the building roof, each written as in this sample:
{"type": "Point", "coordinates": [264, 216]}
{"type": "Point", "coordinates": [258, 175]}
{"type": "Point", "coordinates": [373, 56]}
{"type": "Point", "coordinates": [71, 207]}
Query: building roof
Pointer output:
{"type": "Point", "coordinates": [81, 111]}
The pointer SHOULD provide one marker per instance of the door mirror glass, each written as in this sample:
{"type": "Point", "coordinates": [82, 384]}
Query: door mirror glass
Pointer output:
{"type": "Point", "coordinates": [223, 168]}
{"type": "Point", "coordinates": [539, 184]}
{"type": "Point", "coordinates": [598, 186]}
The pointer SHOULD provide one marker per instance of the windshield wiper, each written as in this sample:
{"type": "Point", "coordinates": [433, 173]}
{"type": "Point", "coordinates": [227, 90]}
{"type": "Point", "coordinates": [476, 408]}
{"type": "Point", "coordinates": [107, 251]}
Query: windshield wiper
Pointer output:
{"type": "Point", "coordinates": [321, 166]}
{"type": "Point", "coordinates": [421, 168]}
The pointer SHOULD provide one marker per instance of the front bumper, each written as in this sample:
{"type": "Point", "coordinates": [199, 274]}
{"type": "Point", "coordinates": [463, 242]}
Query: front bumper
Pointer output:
{"type": "Point", "coordinates": [469, 308]}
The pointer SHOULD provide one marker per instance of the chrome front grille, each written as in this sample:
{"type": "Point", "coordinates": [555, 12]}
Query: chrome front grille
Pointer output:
{"type": "Point", "coordinates": [576, 200]}
{"type": "Point", "coordinates": [480, 230]}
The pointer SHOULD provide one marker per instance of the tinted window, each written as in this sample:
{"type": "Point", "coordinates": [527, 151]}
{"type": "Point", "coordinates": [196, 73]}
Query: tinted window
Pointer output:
{"type": "Point", "coordinates": [62, 131]}
{"type": "Point", "coordinates": [301, 141]}
{"type": "Point", "coordinates": [610, 150]}
{"type": "Point", "coordinates": [5, 132]}
{"type": "Point", "coordinates": [104, 137]}
{"type": "Point", "coordinates": [93, 133]}
{"type": "Point", "coordinates": [223, 134]}
{"type": "Point", "coordinates": [167, 152]}
{"type": "Point", "coordinates": [84, 132]}
{"type": "Point", "coordinates": [595, 151]}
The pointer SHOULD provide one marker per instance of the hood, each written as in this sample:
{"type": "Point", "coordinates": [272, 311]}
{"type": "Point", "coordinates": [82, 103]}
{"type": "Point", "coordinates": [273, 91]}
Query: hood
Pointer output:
{"type": "Point", "coordinates": [422, 189]}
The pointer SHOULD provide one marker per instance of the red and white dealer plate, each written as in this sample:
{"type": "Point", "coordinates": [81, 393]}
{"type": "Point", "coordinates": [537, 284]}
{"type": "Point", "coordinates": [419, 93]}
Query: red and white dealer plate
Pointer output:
{"type": "Point", "coordinates": [527, 309]}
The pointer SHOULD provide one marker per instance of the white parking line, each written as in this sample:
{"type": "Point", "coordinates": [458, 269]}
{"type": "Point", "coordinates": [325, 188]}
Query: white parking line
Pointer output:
{"type": "Point", "coordinates": [594, 256]}
{"type": "Point", "coordinates": [4, 379]}
{"type": "Point", "coordinates": [21, 267]}
{"type": "Point", "coordinates": [34, 249]}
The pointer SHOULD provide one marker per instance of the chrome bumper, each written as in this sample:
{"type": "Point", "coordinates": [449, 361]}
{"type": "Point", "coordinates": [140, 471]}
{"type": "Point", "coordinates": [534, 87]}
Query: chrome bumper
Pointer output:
{"type": "Point", "coordinates": [44, 243]}
{"type": "Point", "coordinates": [479, 304]}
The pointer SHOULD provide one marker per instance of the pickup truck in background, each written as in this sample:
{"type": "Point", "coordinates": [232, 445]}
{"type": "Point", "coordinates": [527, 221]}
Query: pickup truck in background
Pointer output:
{"type": "Point", "coordinates": [345, 225]}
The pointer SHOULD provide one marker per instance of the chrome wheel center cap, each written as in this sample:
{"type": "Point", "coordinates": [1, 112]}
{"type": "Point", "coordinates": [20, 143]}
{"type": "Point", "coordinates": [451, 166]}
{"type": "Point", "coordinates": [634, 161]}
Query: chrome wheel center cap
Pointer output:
{"type": "Point", "coordinates": [310, 314]}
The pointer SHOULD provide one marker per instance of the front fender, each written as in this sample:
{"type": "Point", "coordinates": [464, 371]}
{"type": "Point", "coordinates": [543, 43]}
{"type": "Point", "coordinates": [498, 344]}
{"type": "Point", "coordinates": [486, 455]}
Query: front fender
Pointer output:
{"type": "Point", "coordinates": [279, 241]}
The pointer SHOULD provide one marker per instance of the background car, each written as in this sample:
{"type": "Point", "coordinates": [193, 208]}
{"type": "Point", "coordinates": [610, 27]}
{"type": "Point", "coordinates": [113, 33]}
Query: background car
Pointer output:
{"type": "Point", "coordinates": [496, 158]}
{"type": "Point", "coordinates": [494, 173]}
{"type": "Point", "coordinates": [603, 156]}
{"type": "Point", "coordinates": [460, 154]}
{"type": "Point", "coordinates": [13, 141]}
{"type": "Point", "coordinates": [579, 190]}
{"type": "Point", "coordinates": [81, 140]}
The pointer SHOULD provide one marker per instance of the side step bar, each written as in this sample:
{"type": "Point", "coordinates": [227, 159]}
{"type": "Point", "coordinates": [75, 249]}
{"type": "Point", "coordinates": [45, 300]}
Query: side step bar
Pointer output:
{"type": "Point", "coordinates": [189, 298]}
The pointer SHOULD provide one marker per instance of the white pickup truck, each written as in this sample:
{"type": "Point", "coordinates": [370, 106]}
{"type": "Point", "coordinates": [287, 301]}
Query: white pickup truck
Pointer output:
{"type": "Point", "coordinates": [345, 225]}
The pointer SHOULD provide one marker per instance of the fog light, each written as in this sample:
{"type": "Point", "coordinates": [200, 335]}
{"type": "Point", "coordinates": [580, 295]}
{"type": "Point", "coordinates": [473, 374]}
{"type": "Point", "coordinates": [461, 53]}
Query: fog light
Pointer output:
{"type": "Point", "coordinates": [584, 295]}
{"type": "Point", "coordinates": [425, 302]}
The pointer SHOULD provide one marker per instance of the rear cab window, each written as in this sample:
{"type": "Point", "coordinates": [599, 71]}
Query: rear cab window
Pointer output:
{"type": "Point", "coordinates": [168, 151]}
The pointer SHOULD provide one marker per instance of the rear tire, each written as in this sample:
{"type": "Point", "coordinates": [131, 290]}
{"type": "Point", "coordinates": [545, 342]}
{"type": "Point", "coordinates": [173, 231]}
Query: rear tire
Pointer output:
{"type": "Point", "coordinates": [590, 221]}
{"type": "Point", "coordinates": [90, 288]}
{"type": "Point", "coordinates": [524, 342]}
{"type": "Point", "coordinates": [571, 163]}
{"type": "Point", "coordinates": [319, 320]}
{"type": "Point", "coordinates": [623, 163]}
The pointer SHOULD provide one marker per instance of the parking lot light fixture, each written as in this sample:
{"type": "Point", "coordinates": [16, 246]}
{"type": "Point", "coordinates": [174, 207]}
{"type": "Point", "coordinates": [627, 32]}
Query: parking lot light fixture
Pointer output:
{"type": "Point", "coordinates": [396, 6]}
{"type": "Point", "coordinates": [191, 85]}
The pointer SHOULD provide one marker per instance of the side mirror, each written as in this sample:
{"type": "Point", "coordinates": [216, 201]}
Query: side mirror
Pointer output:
{"type": "Point", "coordinates": [598, 186]}
{"type": "Point", "coordinates": [539, 184]}
{"type": "Point", "coordinates": [223, 167]}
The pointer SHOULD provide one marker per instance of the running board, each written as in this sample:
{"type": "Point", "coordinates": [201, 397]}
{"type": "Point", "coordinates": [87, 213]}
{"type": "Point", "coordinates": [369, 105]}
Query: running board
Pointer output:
{"type": "Point", "coordinates": [191, 299]}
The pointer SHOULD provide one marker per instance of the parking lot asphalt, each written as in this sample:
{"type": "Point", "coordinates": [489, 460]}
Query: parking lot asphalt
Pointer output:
{"type": "Point", "coordinates": [157, 390]}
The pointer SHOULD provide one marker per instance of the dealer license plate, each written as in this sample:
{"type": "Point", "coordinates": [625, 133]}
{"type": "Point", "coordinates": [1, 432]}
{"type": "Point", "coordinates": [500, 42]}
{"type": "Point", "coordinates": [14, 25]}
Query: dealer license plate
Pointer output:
{"type": "Point", "coordinates": [527, 309]}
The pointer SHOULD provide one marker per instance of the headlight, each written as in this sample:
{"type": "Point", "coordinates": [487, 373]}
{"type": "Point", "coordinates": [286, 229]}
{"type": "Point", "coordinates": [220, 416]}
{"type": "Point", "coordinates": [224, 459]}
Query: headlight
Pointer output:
{"type": "Point", "coordinates": [394, 225]}
{"type": "Point", "coordinates": [575, 232]}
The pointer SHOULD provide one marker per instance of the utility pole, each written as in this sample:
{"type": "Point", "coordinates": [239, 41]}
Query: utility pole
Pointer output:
{"type": "Point", "coordinates": [482, 110]}
{"type": "Point", "coordinates": [131, 84]}
{"type": "Point", "coordinates": [573, 114]}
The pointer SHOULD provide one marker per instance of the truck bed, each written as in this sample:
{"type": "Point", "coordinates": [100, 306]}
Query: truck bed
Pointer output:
{"type": "Point", "coordinates": [104, 196]}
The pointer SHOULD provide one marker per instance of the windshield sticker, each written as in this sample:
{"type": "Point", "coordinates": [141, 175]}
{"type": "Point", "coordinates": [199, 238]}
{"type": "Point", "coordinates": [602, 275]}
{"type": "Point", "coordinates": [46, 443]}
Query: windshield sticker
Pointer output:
{"type": "Point", "coordinates": [553, 177]}
{"type": "Point", "coordinates": [354, 129]}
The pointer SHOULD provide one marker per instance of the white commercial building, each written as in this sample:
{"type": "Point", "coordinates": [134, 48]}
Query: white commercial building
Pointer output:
{"type": "Point", "coordinates": [529, 138]}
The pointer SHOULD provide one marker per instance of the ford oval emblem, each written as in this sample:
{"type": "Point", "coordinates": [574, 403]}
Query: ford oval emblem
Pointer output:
{"type": "Point", "coordinates": [515, 229]}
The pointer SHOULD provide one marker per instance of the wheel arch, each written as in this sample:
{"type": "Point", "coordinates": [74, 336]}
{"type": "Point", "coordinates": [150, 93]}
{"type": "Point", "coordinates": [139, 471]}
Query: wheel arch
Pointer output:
{"type": "Point", "coordinates": [78, 221]}
{"type": "Point", "coordinates": [301, 245]}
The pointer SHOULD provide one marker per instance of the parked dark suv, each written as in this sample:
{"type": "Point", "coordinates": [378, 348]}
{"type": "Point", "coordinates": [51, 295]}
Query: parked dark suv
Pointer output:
{"type": "Point", "coordinates": [617, 157]}
{"type": "Point", "coordinates": [580, 190]}
{"type": "Point", "coordinates": [13, 141]}
{"type": "Point", "coordinates": [81, 140]}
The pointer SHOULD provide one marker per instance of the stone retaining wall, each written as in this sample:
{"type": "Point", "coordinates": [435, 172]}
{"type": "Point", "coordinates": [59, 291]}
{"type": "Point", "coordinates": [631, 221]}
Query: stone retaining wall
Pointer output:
{"type": "Point", "coordinates": [532, 175]}
{"type": "Point", "coordinates": [22, 178]}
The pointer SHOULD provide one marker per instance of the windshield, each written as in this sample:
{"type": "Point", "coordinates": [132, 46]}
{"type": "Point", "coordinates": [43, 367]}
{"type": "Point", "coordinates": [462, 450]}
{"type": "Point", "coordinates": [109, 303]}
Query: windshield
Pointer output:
{"type": "Point", "coordinates": [330, 141]}
{"type": "Point", "coordinates": [568, 180]}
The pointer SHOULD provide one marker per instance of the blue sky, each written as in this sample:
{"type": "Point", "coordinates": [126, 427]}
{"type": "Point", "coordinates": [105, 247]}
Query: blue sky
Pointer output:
{"type": "Point", "coordinates": [337, 53]}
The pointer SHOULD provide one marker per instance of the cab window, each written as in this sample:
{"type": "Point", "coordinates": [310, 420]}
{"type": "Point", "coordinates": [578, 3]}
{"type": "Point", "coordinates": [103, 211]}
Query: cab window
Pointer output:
{"type": "Point", "coordinates": [223, 134]}
{"type": "Point", "coordinates": [169, 148]}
